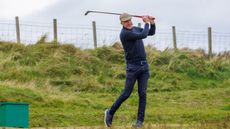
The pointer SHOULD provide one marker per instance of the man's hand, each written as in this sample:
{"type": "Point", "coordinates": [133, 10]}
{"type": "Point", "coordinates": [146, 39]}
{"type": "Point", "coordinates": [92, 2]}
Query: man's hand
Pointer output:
{"type": "Point", "coordinates": [151, 19]}
{"type": "Point", "coordinates": [146, 19]}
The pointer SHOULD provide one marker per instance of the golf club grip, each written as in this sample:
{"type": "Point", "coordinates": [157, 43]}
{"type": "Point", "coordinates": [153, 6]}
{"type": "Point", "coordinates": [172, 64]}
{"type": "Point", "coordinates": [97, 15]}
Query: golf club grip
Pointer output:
{"type": "Point", "coordinates": [139, 16]}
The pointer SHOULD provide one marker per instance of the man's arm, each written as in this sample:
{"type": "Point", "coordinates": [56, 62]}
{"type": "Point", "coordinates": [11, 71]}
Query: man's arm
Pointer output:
{"type": "Point", "coordinates": [128, 35]}
{"type": "Point", "coordinates": [152, 30]}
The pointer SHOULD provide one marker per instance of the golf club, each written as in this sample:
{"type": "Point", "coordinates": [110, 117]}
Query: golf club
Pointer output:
{"type": "Point", "coordinates": [90, 11]}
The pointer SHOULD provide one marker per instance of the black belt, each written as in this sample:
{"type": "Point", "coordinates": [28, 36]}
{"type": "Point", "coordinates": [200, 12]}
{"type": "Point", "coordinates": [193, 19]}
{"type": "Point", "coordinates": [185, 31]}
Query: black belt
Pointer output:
{"type": "Point", "coordinates": [139, 62]}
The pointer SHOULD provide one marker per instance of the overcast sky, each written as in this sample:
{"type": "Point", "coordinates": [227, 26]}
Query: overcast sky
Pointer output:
{"type": "Point", "coordinates": [190, 14]}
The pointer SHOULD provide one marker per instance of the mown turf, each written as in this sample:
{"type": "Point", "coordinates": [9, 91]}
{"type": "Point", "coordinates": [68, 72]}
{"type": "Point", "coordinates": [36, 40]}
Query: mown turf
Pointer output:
{"type": "Point", "coordinates": [67, 86]}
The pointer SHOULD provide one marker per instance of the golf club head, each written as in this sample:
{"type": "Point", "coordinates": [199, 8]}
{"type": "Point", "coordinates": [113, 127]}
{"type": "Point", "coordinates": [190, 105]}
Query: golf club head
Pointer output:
{"type": "Point", "coordinates": [86, 13]}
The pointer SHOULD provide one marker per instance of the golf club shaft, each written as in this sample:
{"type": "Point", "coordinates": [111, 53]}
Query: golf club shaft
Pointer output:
{"type": "Point", "coordinates": [111, 13]}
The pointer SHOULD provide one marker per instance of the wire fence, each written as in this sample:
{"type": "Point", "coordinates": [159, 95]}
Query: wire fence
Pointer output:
{"type": "Point", "coordinates": [82, 36]}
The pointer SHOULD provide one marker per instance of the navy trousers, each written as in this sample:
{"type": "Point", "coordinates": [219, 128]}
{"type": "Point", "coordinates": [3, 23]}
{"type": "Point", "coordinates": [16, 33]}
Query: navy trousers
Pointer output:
{"type": "Point", "coordinates": [134, 72]}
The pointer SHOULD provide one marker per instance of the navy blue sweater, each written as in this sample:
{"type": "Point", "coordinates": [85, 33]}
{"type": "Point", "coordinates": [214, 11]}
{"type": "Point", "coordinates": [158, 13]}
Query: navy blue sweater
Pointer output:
{"type": "Point", "coordinates": [131, 40]}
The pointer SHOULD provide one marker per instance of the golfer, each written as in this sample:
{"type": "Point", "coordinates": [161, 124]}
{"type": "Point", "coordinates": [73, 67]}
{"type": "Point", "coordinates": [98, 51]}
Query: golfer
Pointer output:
{"type": "Point", "coordinates": [137, 68]}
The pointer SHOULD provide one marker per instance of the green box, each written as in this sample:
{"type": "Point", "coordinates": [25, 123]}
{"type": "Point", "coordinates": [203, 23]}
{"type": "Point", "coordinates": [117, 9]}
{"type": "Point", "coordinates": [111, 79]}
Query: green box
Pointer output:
{"type": "Point", "coordinates": [14, 114]}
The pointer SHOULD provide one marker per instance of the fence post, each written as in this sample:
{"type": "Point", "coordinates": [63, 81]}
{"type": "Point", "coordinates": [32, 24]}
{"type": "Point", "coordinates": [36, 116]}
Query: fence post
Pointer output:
{"type": "Point", "coordinates": [17, 29]}
{"type": "Point", "coordinates": [94, 34]}
{"type": "Point", "coordinates": [55, 30]}
{"type": "Point", "coordinates": [174, 37]}
{"type": "Point", "coordinates": [139, 24]}
{"type": "Point", "coordinates": [209, 41]}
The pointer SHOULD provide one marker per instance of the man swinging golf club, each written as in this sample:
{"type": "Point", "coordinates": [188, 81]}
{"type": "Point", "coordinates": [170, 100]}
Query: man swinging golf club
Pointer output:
{"type": "Point", "coordinates": [137, 68]}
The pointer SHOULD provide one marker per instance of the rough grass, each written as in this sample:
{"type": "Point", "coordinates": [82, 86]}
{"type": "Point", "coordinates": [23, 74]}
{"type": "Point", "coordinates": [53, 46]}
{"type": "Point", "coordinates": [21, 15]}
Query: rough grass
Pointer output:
{"type": "Point", "coordinates": [69, 87]}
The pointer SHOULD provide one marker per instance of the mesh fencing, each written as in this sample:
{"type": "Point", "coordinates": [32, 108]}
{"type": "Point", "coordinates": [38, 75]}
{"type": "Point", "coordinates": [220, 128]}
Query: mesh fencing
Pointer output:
{"type": "Point", "coordinates": [82, 36]}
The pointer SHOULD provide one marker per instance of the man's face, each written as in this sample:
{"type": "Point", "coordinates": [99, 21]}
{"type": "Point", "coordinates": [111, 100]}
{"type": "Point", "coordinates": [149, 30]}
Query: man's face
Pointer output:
{"type": "Point", "coordinates": [127, 24]}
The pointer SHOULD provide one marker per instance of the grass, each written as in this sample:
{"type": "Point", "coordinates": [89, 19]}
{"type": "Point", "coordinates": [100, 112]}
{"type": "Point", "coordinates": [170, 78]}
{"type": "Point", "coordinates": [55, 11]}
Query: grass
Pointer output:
{"type": "Point", "coordinates": [70, 87]}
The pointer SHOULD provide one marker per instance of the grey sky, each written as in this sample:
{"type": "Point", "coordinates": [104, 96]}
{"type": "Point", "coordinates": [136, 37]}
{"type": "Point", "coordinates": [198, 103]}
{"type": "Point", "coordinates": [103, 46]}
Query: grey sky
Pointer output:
{"type": "Point", "coordinates": [182, 13]}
